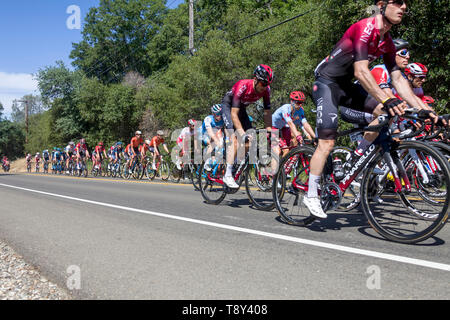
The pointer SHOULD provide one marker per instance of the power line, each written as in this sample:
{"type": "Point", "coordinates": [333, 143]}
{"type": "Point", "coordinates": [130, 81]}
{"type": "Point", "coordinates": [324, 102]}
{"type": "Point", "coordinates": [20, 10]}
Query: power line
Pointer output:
{"type": "Point", "coordinates": [278, 24]}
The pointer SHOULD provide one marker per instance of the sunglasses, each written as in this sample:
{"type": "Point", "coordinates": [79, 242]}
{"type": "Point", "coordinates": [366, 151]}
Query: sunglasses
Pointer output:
{"type": "Point", "coordinates": [404, 53]}
{"type": "Point", "coordinates": [398, 2]}
{"type": "Point", "coordinates": [420, 77]}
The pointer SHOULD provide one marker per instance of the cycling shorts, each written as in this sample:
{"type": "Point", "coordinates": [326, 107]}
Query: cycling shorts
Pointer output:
{"type": "Point", "coordinates": [328, 96]}
{"type": "Point", "coordinates": [226, 114]}
{"type": "Point", "coordinates": [285, 137]}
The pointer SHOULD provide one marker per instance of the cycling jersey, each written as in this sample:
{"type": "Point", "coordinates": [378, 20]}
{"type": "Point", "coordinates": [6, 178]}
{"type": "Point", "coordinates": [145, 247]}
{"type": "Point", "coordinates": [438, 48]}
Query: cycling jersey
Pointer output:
{"type": "Point", "coordinates": [81, 148]}
{"type": "Point", "coordinates": [46, 155]}
{"type": "Point", "coordinates": [156, 141]}
{"type": "Point", "coordinates": [70, 149]}
{"type": "Point", "coordinates": [135, 142]}
{"type": "Point", "coordinates": [185, 134]}
{"type": "Point", "coordinates": [241, 95]}
{"type": "Point", "coordinates": [99, 149]}
{"type": "Point", "coordinates": [362, 41]}
{"type": "Point", "coordinates": [284, 114]}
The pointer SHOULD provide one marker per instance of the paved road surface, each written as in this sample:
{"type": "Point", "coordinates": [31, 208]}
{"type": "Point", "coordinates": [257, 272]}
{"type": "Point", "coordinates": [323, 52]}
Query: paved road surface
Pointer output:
{"type": "Point", "coordinates": [131, 240]}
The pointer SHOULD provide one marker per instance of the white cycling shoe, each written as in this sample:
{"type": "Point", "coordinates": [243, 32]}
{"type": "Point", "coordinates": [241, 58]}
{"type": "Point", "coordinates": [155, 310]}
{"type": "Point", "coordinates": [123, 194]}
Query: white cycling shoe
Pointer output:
{"type": "Point", "coordinates": [315, 207]}
{"type": "Point", "coordinates": [229, 181]}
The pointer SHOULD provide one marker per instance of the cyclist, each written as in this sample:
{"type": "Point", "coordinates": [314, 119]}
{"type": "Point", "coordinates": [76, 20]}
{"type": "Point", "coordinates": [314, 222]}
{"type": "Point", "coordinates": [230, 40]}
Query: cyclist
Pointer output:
{"type": "Point", "coordinates": [46, 156]}
{"type": "Point", "coordinates": [115, 151]}
{"type": "Point", "coordinates": [98, 154]}
{"type": "Point", "coordinates": [37, 159]}
{"type": "Point", "coordinates": [287, 118]}
{"type": "Point", "coordinates": [127, 156]}
{"type": "Point", "coordinates": [363, 42]}
{"type": "Point", "coordinates": [69, 151]}
{"type": "Point", "coordinates": [81, 151]}
{"type": "Point", "coordinates": [5, 163]}
{"type": "Point", "coordinates": [184, 139]}
{"type": "Point", "coordinates": [234, 104]}
{"type": "Point", "coordinates": [154, 144]}
{"type": "Point", "coordinates": [135, 143]}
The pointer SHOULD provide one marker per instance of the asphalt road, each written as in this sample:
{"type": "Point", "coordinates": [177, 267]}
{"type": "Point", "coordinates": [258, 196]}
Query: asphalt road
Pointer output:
{"type": "Point", "coordinates": [110, 239]}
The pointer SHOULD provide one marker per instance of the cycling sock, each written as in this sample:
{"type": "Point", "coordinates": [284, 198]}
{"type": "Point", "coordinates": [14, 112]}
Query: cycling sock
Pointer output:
{"type": "Point", "coordinates": [313, 185]}
{"type": "Point", "coordinates": [229, 172]}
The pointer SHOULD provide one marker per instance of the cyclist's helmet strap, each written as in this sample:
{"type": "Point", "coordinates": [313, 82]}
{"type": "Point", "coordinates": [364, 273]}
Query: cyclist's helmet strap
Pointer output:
{"type": "Point", "coordinates": [383, 9]}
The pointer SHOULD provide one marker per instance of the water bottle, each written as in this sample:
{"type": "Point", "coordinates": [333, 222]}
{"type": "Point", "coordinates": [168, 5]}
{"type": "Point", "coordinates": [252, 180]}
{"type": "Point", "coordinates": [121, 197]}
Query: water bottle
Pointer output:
{"type": "Point", "coordinates": [337, 168]}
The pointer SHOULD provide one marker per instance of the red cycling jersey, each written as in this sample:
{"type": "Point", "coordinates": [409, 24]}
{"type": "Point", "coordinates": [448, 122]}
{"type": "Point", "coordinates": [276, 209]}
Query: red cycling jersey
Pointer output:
{"type": "Point", "coordinates": [81, 147]}
{"type": "Point", "coordinates": [362, 41]}
{"type": "Point", "coordinates": [99, 149]}
{"type": "Point", "coordinates": [244, 94]}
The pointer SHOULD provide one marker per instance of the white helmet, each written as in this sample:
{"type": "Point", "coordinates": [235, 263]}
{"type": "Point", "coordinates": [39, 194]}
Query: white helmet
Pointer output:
{"type": "Point", "coordinates": [138, 132]}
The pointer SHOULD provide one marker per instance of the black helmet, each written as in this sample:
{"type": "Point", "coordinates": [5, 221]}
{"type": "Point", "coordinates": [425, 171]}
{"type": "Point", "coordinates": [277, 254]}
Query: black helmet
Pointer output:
{"type": "Point", "coordinates": [400, 44]}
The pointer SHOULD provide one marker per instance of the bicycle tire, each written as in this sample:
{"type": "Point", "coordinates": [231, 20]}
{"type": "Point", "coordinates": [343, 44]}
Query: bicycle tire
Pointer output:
{"type": "Point", "coordinates": [206, 183]}
{"type": "Point", "coordinates": [389, 225]}
{"type": "Point", "coordinates": [290, 215]}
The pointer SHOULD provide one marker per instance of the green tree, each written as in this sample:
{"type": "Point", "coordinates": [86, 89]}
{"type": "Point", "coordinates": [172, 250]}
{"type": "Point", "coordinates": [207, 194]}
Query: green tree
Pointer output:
{"type": "Point", "coordinates": [115, 38]}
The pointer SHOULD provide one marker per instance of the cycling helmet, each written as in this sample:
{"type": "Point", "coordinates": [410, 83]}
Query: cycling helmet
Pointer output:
{"type": "Point", "coordinates": [119, 143]}
{"type": "Point", "coordinates": [160, 133]}
{"type": "Point", "coordinates": [192, 122]}
{"type": "Point", "coordinates": [263, 73]}
{"type": "Point", "coordinates": [82, 141]}
{"type": "Point", "coordinates": [298, 96]}
{"type": "Point", "coordinates": [400, 44]}
{"type": "Point", "coordinates": [54, 148]}
{"type": "Point", "coordinates": [138, 132]}
{"type": "Point", "coordinates": [427, 99]}
{"type": "Point", "coordinates": [216, 109]}
{"type": "Point", "coordinates": [416, 69]}
{"type": "Point", "coordinates": [147, 142]}
{"type": "Point", "coordinates": [71, 143]}
{"type": "Point", "coordinates": [37, 153]}
{"type": "Point", "coordinates": [101, 144]}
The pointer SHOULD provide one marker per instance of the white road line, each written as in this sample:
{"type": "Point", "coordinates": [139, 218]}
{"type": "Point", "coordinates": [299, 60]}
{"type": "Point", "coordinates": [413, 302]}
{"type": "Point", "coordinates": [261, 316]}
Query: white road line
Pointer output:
{"type": "Point", "coordinates": [368, 253]}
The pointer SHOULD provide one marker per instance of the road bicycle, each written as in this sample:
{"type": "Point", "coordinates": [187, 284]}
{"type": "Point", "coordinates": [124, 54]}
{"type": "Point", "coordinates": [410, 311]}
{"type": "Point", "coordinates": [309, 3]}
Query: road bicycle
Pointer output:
{"type": "Point", "coordinates": [400, 216]}
{"type": "Point", "coordinates": [162, 168]}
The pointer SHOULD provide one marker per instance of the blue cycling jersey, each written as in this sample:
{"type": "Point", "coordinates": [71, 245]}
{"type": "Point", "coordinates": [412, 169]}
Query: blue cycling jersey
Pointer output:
{"type": "Point", "coordinates": [284, 114]}
{"type": "Point", "coordinates": [210, 122]}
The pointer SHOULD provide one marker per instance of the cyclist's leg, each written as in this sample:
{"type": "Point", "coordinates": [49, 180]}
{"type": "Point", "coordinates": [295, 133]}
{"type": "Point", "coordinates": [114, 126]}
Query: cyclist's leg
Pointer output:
{"type": "Point", "coordinates": [326, 95]}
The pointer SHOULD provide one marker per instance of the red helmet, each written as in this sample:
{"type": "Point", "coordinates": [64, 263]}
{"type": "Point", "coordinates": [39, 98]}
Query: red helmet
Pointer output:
{"type": "Point", "coordinates": [100, 144]}
{"type": "Point", "coordinates": [298, 96]}
{"type": "Point", "coordinates": [427, 100]}
{"type": "Point", "coordinates": [416, 69]}
{"type": "Point", "coordinates": [192, 122]}
{"type": "Point", "coordinates": [263, 73]}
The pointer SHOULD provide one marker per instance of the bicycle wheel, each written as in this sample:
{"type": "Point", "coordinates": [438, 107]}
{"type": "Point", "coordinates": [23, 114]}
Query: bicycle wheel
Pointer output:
{"type": "Point", "coordinates": [211, 183]}
{"type": "Point", "coordinates": [164, 170]}
{"type": "Point", "coordinates": [194, 172]}
{"type": "Point", "coordinates": [149, 172]}
{"type": "Point", "coordinates": [258, 184]}
{"type": "Point", "coordinates": [399, 215]}
{"type": "Point", "coordinates": [293, 183]}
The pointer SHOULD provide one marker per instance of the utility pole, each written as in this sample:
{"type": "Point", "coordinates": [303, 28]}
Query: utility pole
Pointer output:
{"type": "Point", "coordinates": [191, 27]}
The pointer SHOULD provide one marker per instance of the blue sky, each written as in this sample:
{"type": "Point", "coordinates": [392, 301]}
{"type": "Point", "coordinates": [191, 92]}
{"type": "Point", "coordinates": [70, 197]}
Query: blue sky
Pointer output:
{"type": "Point", "coordinates": [34, 34]}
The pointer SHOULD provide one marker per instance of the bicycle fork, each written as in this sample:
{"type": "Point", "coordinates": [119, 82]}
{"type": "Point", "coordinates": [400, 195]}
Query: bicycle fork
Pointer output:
{"type": "Point", "coordinates": [398, 171]}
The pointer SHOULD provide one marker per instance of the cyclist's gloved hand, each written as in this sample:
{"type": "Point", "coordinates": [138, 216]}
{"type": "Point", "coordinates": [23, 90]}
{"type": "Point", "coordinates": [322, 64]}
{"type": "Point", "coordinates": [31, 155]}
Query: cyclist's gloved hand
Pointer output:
{"type": "Point", "coordinates": [299, 139]}
{"type": "Point", "coordinates": [424, 114]}
{"type": "Point", "coordinates": [391, 106]}
{"type": "Point", "coordinates": [444, 120]}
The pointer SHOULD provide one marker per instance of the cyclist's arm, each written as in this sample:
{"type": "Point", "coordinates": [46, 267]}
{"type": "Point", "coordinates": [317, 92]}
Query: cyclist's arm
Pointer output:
{"type": "Point", "coordinates": [309, 130]}
{"type": "Point", "coordinates": [365, 77]}
{"type": "Point", "coordinates": [165, 148]}
{"type": "Point", "coordinates": [268, 119]}
{"type": "Point", "coordinates": [404, 90]}
{"type": "Point", "coordinates": [213, 136]}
